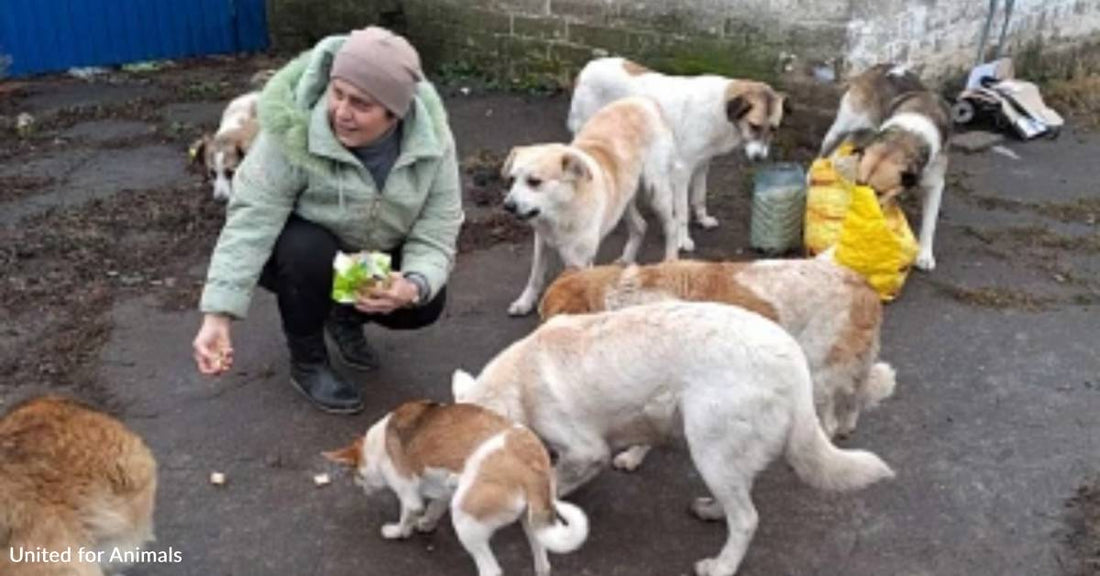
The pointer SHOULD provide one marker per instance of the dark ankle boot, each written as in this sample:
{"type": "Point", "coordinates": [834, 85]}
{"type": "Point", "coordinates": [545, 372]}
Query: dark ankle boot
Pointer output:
{"type": "Point", "coordinates": [346, 331]}
{"type": "Point", "coordinates": [311, 375]}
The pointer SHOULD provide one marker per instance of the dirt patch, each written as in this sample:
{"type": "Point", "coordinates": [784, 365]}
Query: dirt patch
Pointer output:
{"type": "Point", "coordinates": [1085, 210]}
{"type": "Point", "coordinates": [1037, 238]}
{"type": "Point", "coordinates": [1083, 538]}
{"type": "Point", "coordinates": [65, 269]}
{"type": "Point", "coordinates": [811, 108]}
{"type": "Point", "coordinates": [482, 179]}
{"type": "Point", "coordinates": [208, 79]}
{"type": "Point", "coordinates": [490, 230]}
{"type": "Point", "coordinates": [996, 297]}
{"type": "Point", "coordinates": [17, 187]}
{"type": "Point", "coordinates": [487, 224]}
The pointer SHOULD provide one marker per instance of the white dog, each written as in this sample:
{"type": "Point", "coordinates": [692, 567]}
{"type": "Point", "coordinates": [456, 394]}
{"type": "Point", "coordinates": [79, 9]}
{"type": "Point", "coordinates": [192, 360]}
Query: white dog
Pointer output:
{"type": "Point", "coordinates": [497, 472]}
{"type": "Point", "coordinates": [222, 153]}
{"type": "Point", "coordinates": [900, 130]}
{"type": "Point", "coordinates": [737, 383]}
{"type": "Point", "coordinates": [830, 310]}
{"type": "Point", "coordinates": [573, 195]}
{"type": "Point", "coordinates": [710, 116]}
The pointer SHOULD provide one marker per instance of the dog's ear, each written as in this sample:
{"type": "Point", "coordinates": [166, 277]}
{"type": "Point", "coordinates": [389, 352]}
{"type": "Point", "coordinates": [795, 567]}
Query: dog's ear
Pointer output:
{"type": "Point", "coordinates": [350, 456]}
{"type": "Point", "coordinates": [506, 168]}
{"type": "Point", "coordinates": [461, 385]}
{"type": "Point", "coordinates": [196, 154]}
{"type": "Point", "coordinates": [737, 107]}
{"type": "Point", "coordinates": [574, 168]}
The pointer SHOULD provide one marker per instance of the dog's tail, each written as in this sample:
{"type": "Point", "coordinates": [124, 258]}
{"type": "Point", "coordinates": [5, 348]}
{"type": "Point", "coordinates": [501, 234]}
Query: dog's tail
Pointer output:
{"type": "Point", "coordinates": [565, 531]}
{"type": "Point", "coordinates": [880, 384]}
{"type": "Point", "coordinates": [559, 526]}
{"type": "Point", "coordinates": [821, 464]}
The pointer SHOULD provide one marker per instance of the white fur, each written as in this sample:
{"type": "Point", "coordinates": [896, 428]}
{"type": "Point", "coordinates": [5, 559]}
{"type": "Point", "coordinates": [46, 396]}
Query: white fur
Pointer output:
{"type": "Point", "coordinates": [742, 394]}
{"type": "Point", "coordinates": [920, 125]}
{"type": "Point", "coordinates": [694, 106]}
{"type": "Point", "coordinates": [899, 70]}
{"type": "Point", "coordinates": [241, 110]}
{"type": "Point", "coordinates": [573, 225]}
{"type": "Point", "coordinates": [223, 187]}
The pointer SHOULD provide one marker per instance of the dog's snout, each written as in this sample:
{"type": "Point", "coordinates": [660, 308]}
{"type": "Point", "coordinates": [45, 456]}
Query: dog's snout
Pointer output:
{"type": "Point", "coordinates": [756, 151]}
{"type": "Point", "coordinates": [510, 205]}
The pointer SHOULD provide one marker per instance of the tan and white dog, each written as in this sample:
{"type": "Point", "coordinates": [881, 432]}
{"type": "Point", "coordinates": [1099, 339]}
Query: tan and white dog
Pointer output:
{"type": "Point", "coordinates": [830, 310]}
{"type": "Point", "coordinates": [710, 116]}
{"type": "Point", "coordinates": [489, 471]}
{"type": "Point", "coordinates": [223, 152]}
{"type": "Point", "coordinates": [900, 131]}
{"type": "Point", "coordinates": [734, 382]}
{"type": "Point", "coordinates": [573, 195]}
{"type": "Point", "coordinates": [71, 479]}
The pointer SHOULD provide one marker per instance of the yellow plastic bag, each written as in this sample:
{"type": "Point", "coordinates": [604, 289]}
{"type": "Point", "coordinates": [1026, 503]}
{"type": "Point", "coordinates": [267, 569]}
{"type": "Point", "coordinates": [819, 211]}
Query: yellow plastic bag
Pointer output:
{"type": "Point", "coordinates": [827, 198]}
{"type": "Point", "coordinates": [877, 244]}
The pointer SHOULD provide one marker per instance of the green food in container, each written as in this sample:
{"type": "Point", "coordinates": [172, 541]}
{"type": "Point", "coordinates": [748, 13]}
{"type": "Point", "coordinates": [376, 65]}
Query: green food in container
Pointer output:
{"type": "Point", "coordinates": [353, 273]}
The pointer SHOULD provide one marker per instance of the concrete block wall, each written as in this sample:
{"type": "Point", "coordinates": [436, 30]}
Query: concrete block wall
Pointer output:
{"type": "Point", "coordinates": [528, 40]}
{"type": "Point", "coordinates": [517, 38]}
{"type": "Point", "coordinates": [942, 36]}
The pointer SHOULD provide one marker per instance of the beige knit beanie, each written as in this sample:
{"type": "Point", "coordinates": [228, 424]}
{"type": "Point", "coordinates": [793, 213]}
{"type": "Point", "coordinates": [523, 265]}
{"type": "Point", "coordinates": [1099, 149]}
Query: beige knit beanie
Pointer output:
{"type": "Point", "coordinates": [381, 64]}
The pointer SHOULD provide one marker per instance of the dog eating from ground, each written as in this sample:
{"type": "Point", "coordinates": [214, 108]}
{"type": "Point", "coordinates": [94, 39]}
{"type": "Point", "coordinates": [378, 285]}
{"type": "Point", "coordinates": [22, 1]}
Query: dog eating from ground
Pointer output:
{"type": "Point", "coordinates": [735, 384]}
{"type": "Point", "coordinates": [71, 478]}
{"type": "Point", "coordinates": [573, 195]}
{"type": "Point", "coordinates": [222, 153]}
{"type": "Point", "coordinates": [490, 472]}
{"type": "Point", "coordinates": [900, 131]}
{"type": "Point", "coordinates": [710, 116]}
{"type": "Point", "coordinates": [830, 310]}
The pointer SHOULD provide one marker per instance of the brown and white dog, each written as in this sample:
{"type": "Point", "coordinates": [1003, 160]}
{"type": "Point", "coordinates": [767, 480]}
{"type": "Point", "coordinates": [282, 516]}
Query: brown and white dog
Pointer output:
{"type": "Point", "coordinates": [223, 152]}
{"type": "Point", "coordinates": [900, 131]}
{"type": "Point", "coordinates": [71, 479]}
{"type": "Point", "coordinates": [574, 194]}
{"type": "Point", "coordinates": [488, 470]}
{"type": "Point", "coordinates": [831, 311]}
{"type": "Point", "coordinates": [710, 116]}
{"type": "Point", "coordinates": [731, 383]}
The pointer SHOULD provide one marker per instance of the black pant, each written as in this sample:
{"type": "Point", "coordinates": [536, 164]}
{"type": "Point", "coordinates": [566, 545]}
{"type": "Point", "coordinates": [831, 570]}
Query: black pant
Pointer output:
{"type": "Point", "coordinates": [299, 272]}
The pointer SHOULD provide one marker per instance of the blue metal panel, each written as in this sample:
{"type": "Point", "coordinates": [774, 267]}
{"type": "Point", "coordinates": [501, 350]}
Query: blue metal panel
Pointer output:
{"type": "Point", "coordinates": [50, 35]}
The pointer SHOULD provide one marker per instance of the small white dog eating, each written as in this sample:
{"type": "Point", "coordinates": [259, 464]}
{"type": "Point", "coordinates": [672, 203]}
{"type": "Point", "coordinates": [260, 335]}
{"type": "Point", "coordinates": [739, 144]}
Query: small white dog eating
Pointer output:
{"type": "Point", "coordinates": [497, 472]}
{"type": "Point", "coordinates": [736, 384]}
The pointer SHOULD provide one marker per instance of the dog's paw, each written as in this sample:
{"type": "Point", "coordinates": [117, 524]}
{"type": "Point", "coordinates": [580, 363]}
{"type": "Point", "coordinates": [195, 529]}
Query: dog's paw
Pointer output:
{"type": "Point", "coordinates": [925, 261]}
{"type": "Point", "coordinates": [711, 567]}
{"type": "Point", "coordinates": [394, 531]}
{"type": "Point", "coordinates": [708, 222]}
{"type": "Point", "coordinates": [687, 244]}
{"type": "Point", "coordinates": [426, 525]}
{"type": "Point", "coordinates": [521, 307]}
{"type": "Point", "coordinates": [708, 509]}
{"type": "Point", "coordinates": [630, 459]}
